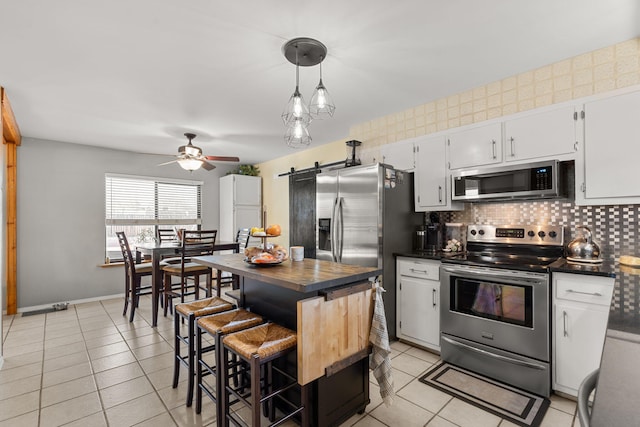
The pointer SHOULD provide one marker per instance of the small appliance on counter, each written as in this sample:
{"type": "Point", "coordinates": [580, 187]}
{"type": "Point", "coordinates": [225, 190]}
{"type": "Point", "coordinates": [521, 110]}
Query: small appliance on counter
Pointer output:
{"type": "Point", "coordinates": [428, 237]}
{"type": "Point", "coordinates": [583, 249]}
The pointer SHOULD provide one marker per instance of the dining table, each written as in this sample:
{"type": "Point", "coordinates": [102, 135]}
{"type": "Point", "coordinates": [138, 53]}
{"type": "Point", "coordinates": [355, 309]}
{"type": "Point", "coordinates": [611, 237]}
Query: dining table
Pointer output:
{"type": "Point", "coordinates": [157, 251]}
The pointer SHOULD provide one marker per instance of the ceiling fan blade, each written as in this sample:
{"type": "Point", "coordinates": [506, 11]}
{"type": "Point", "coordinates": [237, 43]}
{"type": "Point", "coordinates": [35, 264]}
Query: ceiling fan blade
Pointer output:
{"type": "Point", "coordinates": [167, 163]}
{"type": "Point", "coordinates": [207, 166]}
{"type": "Point", "coordinates": [222, 158]}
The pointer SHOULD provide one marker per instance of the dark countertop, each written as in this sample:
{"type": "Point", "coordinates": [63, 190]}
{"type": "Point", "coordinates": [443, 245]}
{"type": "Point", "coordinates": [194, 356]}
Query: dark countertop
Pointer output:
{"type": "Point", "coordinates": [309, 275]}
{"type": "Point", "coordinates": [437, 256]}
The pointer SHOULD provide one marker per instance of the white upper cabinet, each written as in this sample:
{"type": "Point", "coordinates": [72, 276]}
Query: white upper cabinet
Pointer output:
{"type": "Point", "coordinates": [547, 134]}
{"type": "Point", "coordinates": [400, 155]}
{"type": "Point", "coordinates": [432, 179]}
{"type": "Point", "coordinates": [481, 145]}
{"type": "Point", "coordinates": [607, 173]}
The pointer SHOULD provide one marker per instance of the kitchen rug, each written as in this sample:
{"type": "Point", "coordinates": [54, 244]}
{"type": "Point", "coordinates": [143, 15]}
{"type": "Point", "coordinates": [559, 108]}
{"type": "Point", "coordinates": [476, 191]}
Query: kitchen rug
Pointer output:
{"type": "Point", "coordinates": [518, 406]}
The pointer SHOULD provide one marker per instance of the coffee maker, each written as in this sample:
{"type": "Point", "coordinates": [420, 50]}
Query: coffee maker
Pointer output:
{"type": "Point", "coordinates": [428, 238]}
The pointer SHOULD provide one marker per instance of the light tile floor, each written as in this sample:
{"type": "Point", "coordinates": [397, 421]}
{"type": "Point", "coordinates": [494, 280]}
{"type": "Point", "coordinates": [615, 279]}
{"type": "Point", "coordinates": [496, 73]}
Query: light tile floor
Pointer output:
{"type": "Point", "coordinates": [88, 366]}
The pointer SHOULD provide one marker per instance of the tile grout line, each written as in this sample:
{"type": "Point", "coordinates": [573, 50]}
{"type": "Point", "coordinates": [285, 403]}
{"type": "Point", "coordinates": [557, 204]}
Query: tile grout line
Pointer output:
{"type": "Point", "coordinates": [145, 373]}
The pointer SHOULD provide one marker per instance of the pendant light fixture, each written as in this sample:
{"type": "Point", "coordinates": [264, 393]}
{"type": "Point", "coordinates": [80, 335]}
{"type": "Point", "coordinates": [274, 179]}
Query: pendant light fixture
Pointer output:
{"type": "Point", "coordinates": [321, 105]}
{"type": "Point", "coordinates": [297, 116]}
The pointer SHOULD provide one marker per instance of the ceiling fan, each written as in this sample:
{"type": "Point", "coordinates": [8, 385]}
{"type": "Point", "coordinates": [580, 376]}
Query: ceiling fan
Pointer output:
{"type": "Point", "coordinates": [190, 157]}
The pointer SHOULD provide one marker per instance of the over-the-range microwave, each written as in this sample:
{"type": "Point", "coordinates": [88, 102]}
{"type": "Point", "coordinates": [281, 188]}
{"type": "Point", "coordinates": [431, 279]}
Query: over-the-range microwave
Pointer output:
{"type": "Point", "coordinates": [540, 180]}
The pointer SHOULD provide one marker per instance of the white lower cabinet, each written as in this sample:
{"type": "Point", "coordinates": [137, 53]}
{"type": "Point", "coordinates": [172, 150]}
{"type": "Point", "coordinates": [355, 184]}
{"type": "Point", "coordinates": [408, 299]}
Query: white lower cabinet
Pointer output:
{"type": "Point", "coordinates": [580, 312]}
{"type": "Point", "coordinates": [418, 301]}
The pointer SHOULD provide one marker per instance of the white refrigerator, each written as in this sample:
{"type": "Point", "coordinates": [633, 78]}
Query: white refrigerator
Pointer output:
{"type": "Point", "coordinates": [240, 205]}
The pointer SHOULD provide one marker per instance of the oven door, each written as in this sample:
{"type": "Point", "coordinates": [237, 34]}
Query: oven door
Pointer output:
{"type": "Point", "coordinates": [504, 309]}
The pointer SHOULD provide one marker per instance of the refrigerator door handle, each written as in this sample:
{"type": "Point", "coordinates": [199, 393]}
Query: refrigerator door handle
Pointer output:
{"type": "Point", "coordinates": [334, 233]}
{"type": "Point", "coordinates": [340, 230]}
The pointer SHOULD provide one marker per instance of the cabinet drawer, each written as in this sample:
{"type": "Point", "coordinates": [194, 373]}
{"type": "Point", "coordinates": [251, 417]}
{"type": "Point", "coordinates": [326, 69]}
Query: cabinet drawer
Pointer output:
{"type": "Point", "coordinates": [422, 269]}
{"type": "Point", "coordinates": [582, 288]}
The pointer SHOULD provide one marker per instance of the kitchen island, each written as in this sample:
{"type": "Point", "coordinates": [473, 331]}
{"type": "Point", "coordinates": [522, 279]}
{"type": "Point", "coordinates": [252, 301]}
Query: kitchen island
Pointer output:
{"type": "Point", "coordinates": [329, 305]}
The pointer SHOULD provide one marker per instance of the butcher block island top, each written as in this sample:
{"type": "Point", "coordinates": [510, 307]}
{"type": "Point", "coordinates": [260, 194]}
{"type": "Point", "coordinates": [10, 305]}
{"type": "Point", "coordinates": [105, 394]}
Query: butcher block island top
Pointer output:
{"type": "Point", "coordinates": [308, 275]}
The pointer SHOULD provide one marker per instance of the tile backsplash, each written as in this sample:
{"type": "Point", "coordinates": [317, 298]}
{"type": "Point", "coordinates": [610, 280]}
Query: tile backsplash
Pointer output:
{"type": "Point", "coordinates": [614, 228]}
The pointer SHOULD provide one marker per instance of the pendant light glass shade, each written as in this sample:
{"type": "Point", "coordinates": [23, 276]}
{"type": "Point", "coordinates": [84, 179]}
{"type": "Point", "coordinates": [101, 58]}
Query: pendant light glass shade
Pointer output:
{"type": "Point", "coordinates": [296, 109]}
{"type": "Point", "coordinates": [190, 164]}
{"type": "Point", "coordinates": [297, 135]}
{"type": "Point", "coordinates": [321, 105]}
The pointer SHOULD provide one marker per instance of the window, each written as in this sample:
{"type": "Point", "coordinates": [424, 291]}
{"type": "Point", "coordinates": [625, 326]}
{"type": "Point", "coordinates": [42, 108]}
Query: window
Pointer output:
{"type": "Point", "coordinates": [138, 205]}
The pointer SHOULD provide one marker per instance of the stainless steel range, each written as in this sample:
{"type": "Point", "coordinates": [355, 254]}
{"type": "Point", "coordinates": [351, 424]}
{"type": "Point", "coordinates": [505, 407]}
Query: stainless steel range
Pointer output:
{"type": "Point", "coordinates": [495, 316]}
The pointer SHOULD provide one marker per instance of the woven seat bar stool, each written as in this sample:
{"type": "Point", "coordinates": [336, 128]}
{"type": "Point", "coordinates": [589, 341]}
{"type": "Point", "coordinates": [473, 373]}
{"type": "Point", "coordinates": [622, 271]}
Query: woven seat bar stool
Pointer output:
{"type": "Point", "coordinates": [191, 311]}
{"type": "Point", "coordinates": [258, 347]}
{"type": "Point", "coordinates": [217, 325]}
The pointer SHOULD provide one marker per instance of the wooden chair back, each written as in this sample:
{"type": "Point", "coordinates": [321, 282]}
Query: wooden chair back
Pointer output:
{"type": "Point", "coordinates": [129, 260]}
{"type": "Point", "coordinates": [242, 237]}
{"type": "Point", "coordinates": [165, 235]}
{"type": "Point", "coordinates": [197, 243]}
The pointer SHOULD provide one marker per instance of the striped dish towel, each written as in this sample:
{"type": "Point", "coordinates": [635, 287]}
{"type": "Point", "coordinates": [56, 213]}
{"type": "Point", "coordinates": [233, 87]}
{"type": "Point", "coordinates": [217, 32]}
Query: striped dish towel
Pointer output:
{"type": "Point", "coordinates": [380, 361]}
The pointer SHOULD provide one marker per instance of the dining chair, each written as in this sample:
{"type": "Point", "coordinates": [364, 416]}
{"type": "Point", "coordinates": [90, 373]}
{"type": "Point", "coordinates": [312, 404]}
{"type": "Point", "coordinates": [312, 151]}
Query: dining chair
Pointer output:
{"type": "Point", "coordinates": [165, 235]}
{"type": "Point", "coordinates": [224, 278]}
{"type": "Point", "coordinates": [133, 276]}
{"type": "Point", "coordinates": [194, 243]}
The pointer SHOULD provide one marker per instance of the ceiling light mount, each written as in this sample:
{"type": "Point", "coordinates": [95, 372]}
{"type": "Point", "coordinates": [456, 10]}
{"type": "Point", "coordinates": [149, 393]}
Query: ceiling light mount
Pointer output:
{"type": "Point", "coordinates": [304, 51]}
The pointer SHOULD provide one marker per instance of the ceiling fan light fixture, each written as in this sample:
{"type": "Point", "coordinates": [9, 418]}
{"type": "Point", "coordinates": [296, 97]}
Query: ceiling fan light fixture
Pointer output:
{"type": "Point", "coordinates": [190, 164]}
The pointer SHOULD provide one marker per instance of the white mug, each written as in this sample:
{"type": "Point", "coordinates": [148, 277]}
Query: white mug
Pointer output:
{"type": "Point", "coordinates": [296, 253]}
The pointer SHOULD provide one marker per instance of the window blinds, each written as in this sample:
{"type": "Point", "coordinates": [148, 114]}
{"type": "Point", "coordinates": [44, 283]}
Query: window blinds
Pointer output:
{"type": "Point", "coordinates": [136, 200]}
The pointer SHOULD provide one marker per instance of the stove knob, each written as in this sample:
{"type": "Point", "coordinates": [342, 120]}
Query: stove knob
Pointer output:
{"type": "Point", "coordinates": [553, 234]}
{"type": "Point", "coordinates": [530, 233]}
{"type": "Point", "coordinates": [473, 232]}
{"type": "Point", "coordinates": [481, 232]}
{"type": "Point", "coordinates": [541, 234]}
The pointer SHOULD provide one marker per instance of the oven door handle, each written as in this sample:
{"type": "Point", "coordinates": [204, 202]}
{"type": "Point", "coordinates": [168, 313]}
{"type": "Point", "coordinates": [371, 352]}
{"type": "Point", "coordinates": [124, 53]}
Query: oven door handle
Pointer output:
{"type": "Point", "coordinates": [495, 356]}
{"type": "Point", "coordinates": [514, 278]}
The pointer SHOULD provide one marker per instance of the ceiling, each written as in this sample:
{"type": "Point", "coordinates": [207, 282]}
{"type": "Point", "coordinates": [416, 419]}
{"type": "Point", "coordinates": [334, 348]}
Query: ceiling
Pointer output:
{"type": "Point", "coordinates": [136, 75]}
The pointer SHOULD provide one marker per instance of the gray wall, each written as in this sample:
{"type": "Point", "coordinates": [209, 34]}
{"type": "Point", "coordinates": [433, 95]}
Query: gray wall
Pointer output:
{"type": "Point", "coordinates": [61, 234]}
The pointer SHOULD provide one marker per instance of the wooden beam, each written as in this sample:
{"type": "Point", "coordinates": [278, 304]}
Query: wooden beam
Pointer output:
{"type": "Point", "coordinates": [12, 258]}
{"type": "Point", "coordinates": [11, 139]}
{"type": "Point", "coordinates": [10, 129]}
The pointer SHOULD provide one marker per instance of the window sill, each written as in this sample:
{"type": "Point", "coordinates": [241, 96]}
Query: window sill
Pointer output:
{"type": "Point", "coordinates": [112, 264]}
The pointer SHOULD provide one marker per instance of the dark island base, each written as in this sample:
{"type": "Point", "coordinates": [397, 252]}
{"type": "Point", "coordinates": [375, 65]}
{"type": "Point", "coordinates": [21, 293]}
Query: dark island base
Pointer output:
{"type": "Point", "coordinates": [334, 399]}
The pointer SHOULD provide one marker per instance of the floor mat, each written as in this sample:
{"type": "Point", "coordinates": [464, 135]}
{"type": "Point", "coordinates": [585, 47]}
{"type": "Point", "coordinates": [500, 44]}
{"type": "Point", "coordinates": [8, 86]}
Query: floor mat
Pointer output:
{"type": "Point", "coordinates": [518, 406]}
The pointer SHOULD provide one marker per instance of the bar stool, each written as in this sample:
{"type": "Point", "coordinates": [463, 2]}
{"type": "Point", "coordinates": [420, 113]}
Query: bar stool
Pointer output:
{"type": "Point", "coordinates": [259, 347]}
{"type": "Point", "coordinates": [191, 311]}
{"type": "Point", "coordinates": [217, 325]}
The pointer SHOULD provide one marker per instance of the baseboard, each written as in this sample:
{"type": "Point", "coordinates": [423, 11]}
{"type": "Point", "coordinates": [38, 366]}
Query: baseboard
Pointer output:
{"type": "Point", "coordinates": [78, 301]}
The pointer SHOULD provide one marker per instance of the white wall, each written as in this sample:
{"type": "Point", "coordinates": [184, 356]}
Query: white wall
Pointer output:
{"type": "Point", "coordinates": [60, 218]}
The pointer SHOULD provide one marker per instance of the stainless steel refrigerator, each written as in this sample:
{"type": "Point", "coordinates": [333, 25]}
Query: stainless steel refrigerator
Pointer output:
{"type": "Point", "coordinates": [365, 214]}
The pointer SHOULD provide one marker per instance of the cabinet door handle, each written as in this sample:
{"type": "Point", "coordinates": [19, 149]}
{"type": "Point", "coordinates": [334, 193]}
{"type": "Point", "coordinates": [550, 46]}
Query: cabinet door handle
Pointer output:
{"type": "Point", "coordinates": [493, 148]}
{"type": "Point", "coordinates": [440, 193]}
{"type": "Point", "coordinates": [595, 294]}
{"type": "Point", "coordinates": [564, 323]}
{"type": "Point", "coordinates": [433, 296]}
{"type": "Point", "coordinates": [413, 270]}
{"type": "Point", "coordinates": [575, 146]}
{"type": "Point", "coordinates": [513, 153]}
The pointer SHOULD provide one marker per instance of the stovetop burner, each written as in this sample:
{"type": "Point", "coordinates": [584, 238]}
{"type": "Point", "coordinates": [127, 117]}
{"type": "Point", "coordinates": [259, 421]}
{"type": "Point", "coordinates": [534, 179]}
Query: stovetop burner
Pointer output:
{"type": "Point", "coordinates": [532, 247]}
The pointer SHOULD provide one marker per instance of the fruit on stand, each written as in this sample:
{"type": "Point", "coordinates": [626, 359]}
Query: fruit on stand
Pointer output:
{"type": "Point", "coordinates": [273, 230]}
{"type": "Point", "coordinates": [258, 231]}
